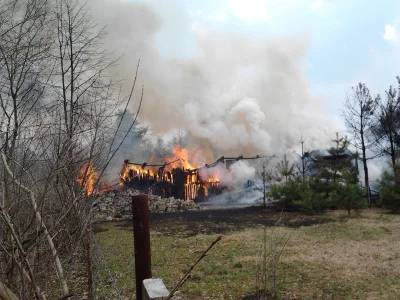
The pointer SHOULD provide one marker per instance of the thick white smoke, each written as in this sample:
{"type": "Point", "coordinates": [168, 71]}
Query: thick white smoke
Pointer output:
{"type": "Point", "coordinates": [235, 176]}
{"type": "Point", "coordinates": [237, 94]}
{"type": "Point", "coordinates": [242, 171]}
{"type": "Point", "coordinates": [235, 179]}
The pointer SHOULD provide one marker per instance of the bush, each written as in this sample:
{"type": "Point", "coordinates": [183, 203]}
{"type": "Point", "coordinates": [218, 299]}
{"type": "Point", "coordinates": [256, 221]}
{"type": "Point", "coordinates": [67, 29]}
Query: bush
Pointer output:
{"type": "Point", "coordinates": [347, 195]}
{"type": "Point", "coordinates": [390, 192]}
{"type": "Point", "coordinates": [285, 194]}
{"type": "Point", "coordinates": [316, 196]}
{"type": "Point", "coordinates": [309, 196]}
{"type": "Point", "coordinates": [311, 199]}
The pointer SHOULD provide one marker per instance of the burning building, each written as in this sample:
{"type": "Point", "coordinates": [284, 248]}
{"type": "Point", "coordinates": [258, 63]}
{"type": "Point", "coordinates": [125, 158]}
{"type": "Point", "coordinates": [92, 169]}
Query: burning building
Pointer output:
{"type": "Point", "coordinates": [179, 179]}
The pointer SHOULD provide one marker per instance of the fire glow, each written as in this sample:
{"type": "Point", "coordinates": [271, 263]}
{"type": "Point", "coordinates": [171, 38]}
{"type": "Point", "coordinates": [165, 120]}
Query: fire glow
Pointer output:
{"type": "Point", "coordinates": [88, 178]}
{"type": "Point", "coordinates": [177, 177]}
{"type": "Point", "coordinates": [183, 175]}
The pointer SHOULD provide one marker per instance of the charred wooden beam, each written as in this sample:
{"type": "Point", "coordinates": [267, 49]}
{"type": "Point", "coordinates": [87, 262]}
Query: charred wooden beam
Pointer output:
{"type": "Point", "coordinates": [178, 182]}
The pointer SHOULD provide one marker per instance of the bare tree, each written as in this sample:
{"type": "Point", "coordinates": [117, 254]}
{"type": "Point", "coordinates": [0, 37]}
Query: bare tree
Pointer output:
{"type": "Point", "coordinates": [267, 262]}
{"type": "Point", "coordinates": [57, 107]}
{"type": "Point", "coordinates": [359, 111]}
{"type": "Point", "coordinates": [265, 175]}
{"type": "Point", "coordinates": [304, 167]}
{"type": "Point", "coordinates": [284, 169]}
{"type": "Point", "coordinates": [24, 45]}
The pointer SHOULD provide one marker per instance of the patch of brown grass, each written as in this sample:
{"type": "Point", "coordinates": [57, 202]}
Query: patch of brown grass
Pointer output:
{"type": "Point", "coordinates": [349, 258]}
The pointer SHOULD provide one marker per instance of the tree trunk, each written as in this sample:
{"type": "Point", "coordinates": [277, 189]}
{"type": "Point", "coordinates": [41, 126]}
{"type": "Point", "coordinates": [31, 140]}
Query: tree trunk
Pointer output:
{"type": "Point", "coordinates": [393, 154]}
{"type": "Point", "coordinates": [88, 246]}
{"type": "Point", "coordinates": [366, 175]}
{"type": "Point", "coordinates": [264, 198]}
{"type": "Point", "coordinates": [366, 179]}
{"type": "Point", "coordinates": [303, 168]}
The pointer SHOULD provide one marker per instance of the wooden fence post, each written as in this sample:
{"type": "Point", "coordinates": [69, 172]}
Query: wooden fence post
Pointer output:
{"type": "Point", "coordinates": [141, 236]}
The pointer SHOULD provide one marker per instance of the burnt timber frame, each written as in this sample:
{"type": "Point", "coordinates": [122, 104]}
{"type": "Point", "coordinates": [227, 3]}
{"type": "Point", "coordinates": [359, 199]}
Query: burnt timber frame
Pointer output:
{"type": "Point", "coordinates": [178, 182]}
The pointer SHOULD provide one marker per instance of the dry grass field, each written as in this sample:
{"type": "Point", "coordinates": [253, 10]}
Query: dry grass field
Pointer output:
{"type": "Point", "coordinates": [325, 257]}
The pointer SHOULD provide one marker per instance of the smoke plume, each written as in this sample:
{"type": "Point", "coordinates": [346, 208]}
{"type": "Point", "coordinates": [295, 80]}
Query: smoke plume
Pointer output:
{"type": "Point", "coordinates": [237, 94]}
{"type": "Point", "coordinates": [235, 176]}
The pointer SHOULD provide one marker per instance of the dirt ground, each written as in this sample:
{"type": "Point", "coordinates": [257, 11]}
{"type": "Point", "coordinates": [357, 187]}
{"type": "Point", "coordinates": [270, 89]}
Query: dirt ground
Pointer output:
{"type": "Point", "coordinates": [224, 220]}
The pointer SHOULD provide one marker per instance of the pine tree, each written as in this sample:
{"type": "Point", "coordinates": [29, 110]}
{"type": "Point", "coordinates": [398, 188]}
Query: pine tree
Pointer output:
{"type": "Point", "coordinates": [340, 186]}
{"type": "Point", "coordinates": [359, 114]}
{"type": "Point", "coordinates": [331, 167]}
{"type": "Point", "coordinates": [284, 169]}
{"type": "Point", "coordinates": [387, 127]}
{"type": "Point", "coordinates": [390, 191]}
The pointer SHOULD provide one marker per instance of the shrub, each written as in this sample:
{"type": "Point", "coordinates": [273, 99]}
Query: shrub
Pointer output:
{"type": "Point", "coordinates": [309, 196]}
{"type": "Point", "coordinates": [312, 200]}
{"type": "Point", "coordinates": [390, 192]}
{"type": "Point", "coordinates": [347, 195]}
{"type": "Point", "coordinates": [316, 196]}
{"type": "Point", "coordinates": [285, 194]}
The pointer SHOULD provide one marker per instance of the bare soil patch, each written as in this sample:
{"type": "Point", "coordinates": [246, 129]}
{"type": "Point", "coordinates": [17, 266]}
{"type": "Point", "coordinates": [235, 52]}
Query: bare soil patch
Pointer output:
{"type": "Point", "coordinates": [223, 221]}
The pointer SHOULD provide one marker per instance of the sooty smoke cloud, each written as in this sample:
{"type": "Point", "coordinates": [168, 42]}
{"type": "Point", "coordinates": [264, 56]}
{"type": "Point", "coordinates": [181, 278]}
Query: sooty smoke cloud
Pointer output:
{"type": "Point", "coordinates": [236, 94]}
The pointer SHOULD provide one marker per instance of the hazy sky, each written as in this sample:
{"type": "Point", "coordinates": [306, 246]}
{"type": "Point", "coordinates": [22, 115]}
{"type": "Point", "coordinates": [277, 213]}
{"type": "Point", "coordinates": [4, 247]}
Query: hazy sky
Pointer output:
{"type": "Point", "coordinates": [252, 76]}
{"type": "Point", "coordinates": [348, 41]}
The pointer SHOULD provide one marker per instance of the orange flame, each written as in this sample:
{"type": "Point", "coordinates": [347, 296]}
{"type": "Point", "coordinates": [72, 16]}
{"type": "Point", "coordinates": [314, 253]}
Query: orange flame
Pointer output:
{"type": "Point", "coordinates": [136, 171]}
{"type": "Point", "coordinates": [197, 183]}
{"type": "Point", "coordinates": [214, 177]}
{"type": "Point", "coordinates": [186, 158]}
{"type": "Point", "coordinates": [179, 158]}
{"type": "Point", "coordinates": [88, 177]}
{"type": "Point", "coordinates": [183, 155]}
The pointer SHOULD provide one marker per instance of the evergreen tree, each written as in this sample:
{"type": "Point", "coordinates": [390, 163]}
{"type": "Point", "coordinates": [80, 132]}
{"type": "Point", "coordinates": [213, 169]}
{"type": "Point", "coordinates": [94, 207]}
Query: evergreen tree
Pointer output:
{"type": "Point", "coordinates": [359, 111]}
{"type": "Point", "coordinates": [390, 191]}
{"type": "Point", "coordinates": [286, 192]}
{"type": "Point", "coordinates": [338, 179]}
{"type": "Point", "coordinates": [331, 167]}
{"type": "Point", "coordinates": [311, 198]}
{"type": "Point", "coordinates": [387, 127]}
{"type": "Point", "coordinates": [284, 169]}
{"type": "Point", "coordinates": [304, 164]}
{"type": "Point", "coordinates": [346, 194]}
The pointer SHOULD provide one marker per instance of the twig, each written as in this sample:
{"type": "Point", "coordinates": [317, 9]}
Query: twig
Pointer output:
{"type": "Point", "coordinates": [184, 278]}
{"type": "Point", "coordinates": [66, 296]}
{"type": "Point", "coordinates": [124, 111]}
{"type": "Point", "coordinates": [6, 293]}
{"type": "Point", "coordinates": [103, 259]}
{"type": "Point", "coordinates": [109, 158]}
{"type": "Point", "coordinates": [59, 269]}
{"type": "Point", "coordinates": [29, 275]}
{"type": "Point", "coordinates": [280, 218]}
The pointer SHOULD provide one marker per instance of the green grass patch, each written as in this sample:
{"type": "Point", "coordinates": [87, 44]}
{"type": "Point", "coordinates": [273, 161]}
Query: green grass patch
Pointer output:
{"type": "Point", "coordinates": [354, 259]}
